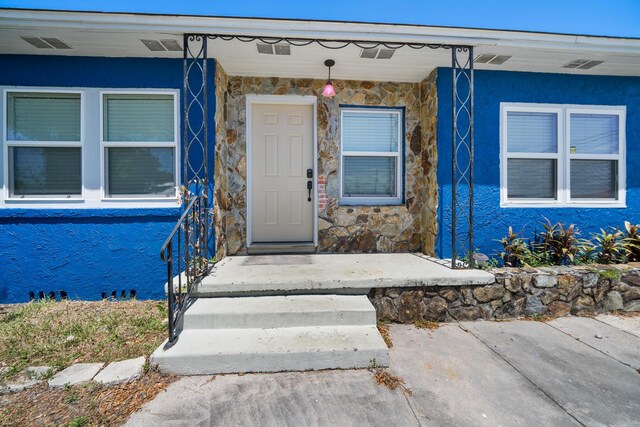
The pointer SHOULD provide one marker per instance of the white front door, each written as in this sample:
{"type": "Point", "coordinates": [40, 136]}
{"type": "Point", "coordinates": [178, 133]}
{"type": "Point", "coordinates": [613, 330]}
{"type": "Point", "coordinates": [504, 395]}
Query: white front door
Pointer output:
{"type": "Point", "coordinates": [281, 153]}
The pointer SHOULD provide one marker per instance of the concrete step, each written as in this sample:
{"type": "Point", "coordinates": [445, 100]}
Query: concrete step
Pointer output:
{"type": "Point", "coordinates": [281, 248]}
{"type": "Point", "coordinates": [217, 351]}
{"type": "Point", "coordinates": [279, 312]}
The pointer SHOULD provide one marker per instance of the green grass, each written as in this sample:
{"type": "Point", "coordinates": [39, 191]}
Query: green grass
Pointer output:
{"type": "Point", "coordinates": [609, 274]}
{"type": "Point", "coordinates": [58, 334]}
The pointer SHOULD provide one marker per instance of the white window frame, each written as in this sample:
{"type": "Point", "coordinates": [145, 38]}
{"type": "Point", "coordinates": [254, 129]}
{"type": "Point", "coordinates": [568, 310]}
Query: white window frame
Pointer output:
{"type": "Point", "coordinates": [563, 156]}
{"type": "Point", "coordinates": [105, 145]}
{"type": "Point", "coordinates": [8, 144]}
{"type": "Point", "coordinates": [92, 154]}
{"type": "Point", "coordinates": [373, 201]}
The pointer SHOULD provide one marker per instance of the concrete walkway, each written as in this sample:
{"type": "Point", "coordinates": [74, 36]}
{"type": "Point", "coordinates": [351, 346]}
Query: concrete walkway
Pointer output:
{"type": "Point", "coordinates": [571, 371]}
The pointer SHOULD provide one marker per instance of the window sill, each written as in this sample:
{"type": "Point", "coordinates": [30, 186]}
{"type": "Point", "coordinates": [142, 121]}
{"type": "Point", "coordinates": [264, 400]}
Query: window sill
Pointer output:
{"type": "Point", "coordinates": [612, 205]}
{"type": "Point", "coordinates": [159, 200]}
{"type": "Point", "coordinates": [83, 204]}
{"type": "Point", "coordinates": [370, 203]}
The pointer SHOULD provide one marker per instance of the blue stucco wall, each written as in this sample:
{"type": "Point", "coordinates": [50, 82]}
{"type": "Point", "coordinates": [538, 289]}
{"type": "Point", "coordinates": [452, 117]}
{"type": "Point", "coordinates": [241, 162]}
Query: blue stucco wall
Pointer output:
{"type": "Point", "coordinates": [87, 251]}
{"type": "Point", "coordinates": [492, 88]}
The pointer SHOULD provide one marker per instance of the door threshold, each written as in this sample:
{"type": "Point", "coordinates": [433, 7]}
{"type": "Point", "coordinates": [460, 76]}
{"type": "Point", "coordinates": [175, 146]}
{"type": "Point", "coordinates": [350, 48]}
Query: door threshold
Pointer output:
{"type": "Point", "coordinates": [281, 248]}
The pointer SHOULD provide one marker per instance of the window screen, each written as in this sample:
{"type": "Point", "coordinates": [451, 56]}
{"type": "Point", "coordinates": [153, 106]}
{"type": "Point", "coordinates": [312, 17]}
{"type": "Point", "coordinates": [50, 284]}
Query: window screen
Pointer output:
{"type": "Point", "coordinates": [532, 132]}
{"type": "Point", "coordinates": [134, 117]}
{"type": "Point", "coordinates": [34, 116]}
{"type": "Point", "coordinates": [532, 178]}
{"type": "Point", "coordinates": [594, 134]}
{"type": "Point", "coordinates": [369, 176]}
{"type": "Point", "coordinates": [140, 171]}
{"type": "Point", "coordinates": [46, 171]}
{"type": "Point", "coordinates": [370, 131]}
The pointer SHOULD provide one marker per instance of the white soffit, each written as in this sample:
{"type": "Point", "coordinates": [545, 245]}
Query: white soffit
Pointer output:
{"type": "Point", "coordinates": [119, 35]}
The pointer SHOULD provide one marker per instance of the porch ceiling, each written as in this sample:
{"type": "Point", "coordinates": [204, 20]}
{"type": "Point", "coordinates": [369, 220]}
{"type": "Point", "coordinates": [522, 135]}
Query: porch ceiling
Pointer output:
{"type": "Point", "coordinates": [119, 35]}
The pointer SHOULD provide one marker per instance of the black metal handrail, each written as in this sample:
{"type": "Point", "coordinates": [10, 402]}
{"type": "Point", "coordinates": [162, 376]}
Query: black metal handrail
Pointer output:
{"type": "Point", "coordinates": [190, 236]}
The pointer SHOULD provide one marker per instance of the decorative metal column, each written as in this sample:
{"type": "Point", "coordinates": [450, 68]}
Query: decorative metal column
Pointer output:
{"type": "Point", "coordinates": [462, 156]}
{"type": "Point", "coordinates": [186, 250]}
{"type": "Point", "coordinates": [196, 133]}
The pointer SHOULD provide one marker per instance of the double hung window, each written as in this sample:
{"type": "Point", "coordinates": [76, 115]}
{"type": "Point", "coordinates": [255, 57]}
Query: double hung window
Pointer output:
{"type": "Point", "coordinates": [371, 156]}
{"type": "Point", "coordinates": [562, 155]}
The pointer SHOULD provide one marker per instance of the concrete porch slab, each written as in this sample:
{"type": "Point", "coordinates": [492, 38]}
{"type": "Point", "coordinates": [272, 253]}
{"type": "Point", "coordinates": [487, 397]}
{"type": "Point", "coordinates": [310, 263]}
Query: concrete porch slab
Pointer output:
{"type": "Point", "coordinates": [330, 273]}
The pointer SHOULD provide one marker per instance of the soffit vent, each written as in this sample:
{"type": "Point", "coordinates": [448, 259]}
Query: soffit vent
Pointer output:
{"type": "Point", "coordinates": [162, 45]}
{"type": "Point", "coordinates": [171, 45]}
{"type": "Point", "coordinates": [491, 58]}
{"type": "Point", "coordinates": [46, 42]}
{"type": "Point", "coordinates": [270, 49]}
{"type": "Point", "coordinates": [582, 64]}
{"type": "Point", "coordinates": [377, 53]}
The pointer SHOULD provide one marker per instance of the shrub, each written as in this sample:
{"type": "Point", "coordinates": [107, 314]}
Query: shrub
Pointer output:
{"type": "Point", "coordinates": [560, 243]}
{"type": "Point", "coordinates": [610, 247]}
{"type": "Point", "coordinates": [631, 241]}
{"type": "Point", "coordinates": [536, 257]}
{"type": "Point", "coordinates": [588, 254]}
{"type": "Point", "coordinates": [513, 249]}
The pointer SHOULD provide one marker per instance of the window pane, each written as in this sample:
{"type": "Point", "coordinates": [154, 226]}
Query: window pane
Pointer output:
{"type": "Point", "coordinates": [50, 171]}
{"type": "Point", "coordinates": [369, 176]}
{"type": "Point", "coordinates": [532, 132]}
{"type": "Point", "coordinates": [531, 179]}
{"type": "Point", "coordinates": [594, 133]}
{"type": "Point", "coordinates": [594, 179]}
{"type": "Point", "coordinates": [362, 131]}
{"type": "Point", "coordinates": [138, 118]}
{"type": "Point", "coordinates": [33, 116]}
{"type": "Point", "coordinates": [141, 171]}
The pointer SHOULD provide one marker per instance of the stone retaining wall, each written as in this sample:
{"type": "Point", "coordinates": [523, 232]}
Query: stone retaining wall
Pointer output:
{"type": "Point", "coordinates": [549, 291]}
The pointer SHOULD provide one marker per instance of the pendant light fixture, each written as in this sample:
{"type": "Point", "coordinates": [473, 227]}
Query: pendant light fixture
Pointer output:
{"type": "Point", "coordinates": [329, 91]}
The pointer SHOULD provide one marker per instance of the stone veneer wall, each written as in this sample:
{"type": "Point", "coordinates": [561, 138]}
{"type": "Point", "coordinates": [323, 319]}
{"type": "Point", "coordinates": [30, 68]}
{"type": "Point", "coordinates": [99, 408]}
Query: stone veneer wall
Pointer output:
{"type": "Point", "coordinates": [220, 189]}
{"type": "Point", "coordinates": [549, 291]}
{"type": "Point", "coordinates": [429, 118]}
{"type": "Point", "coordinates": [408, 227]}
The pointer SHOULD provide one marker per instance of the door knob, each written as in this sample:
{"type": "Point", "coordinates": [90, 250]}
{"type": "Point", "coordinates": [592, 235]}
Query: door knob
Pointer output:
{"type": "Point", "coordinates": [309, 187]}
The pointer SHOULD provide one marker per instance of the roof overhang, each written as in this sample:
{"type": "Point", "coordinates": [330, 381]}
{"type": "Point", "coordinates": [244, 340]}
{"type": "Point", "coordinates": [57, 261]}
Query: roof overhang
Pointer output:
{"type": "Point", "coordinates": [119, 34]}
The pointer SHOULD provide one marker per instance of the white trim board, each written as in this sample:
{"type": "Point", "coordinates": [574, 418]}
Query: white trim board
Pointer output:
{"type": "Point", "coordinates": [282, 100]}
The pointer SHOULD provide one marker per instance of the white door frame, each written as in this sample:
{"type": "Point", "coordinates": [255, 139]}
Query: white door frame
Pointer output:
{"type": "Point", "coordinates": [283, 100]}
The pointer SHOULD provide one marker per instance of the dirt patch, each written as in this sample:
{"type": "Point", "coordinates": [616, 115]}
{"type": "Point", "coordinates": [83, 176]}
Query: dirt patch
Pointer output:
{"type": "Point", "coordinates": [81, 405]}
{"type": "Point", "coordinates": [383, 328]}
{"type": "Point", "coordinates": [538, 318]}
{"type": "Point", "coordinates": [426, 324]}
{"type": "Point", "coordinates": [58, 334]}
{"type": "Point", "coordinates": [624, 313]}
{"type": "Point", "coordinates": [386, 379]}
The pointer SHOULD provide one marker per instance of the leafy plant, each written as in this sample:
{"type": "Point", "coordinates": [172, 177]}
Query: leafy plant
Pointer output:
{"type": "Point", "coordinates": [631, 241]}
{"type": "Point", "coordinates": [536, 257]}
{"type": "Point", "coordinates": [491, 263]}
{"type": "Point", "coordinates": [588, 254]}
{"type": "Point", "coordinates": [562, 244]}
{"type": "Point", "coordinates": [514, 249]}
{"type": "Point", "coordinates": [610, 247]}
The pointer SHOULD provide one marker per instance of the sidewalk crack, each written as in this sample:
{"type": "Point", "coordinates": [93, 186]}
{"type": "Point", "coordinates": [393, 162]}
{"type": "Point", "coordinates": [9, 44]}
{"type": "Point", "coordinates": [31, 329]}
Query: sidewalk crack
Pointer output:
{"type": "Point", "coordinates": [468, 330]}
{"type": "Point", "coordinates": [589, 345]}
